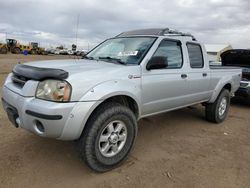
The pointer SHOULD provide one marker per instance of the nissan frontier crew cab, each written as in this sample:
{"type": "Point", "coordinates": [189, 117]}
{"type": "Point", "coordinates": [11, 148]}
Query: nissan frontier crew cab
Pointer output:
{"type": "Point", "coordinates": [99, 99]}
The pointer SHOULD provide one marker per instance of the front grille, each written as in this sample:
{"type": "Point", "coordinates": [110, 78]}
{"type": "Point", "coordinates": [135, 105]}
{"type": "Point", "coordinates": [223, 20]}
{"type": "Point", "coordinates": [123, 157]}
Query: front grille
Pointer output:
{"type": "Point", "coordinates": [246, 76]}
{"type": "Point", "coordinates": [19, 80]}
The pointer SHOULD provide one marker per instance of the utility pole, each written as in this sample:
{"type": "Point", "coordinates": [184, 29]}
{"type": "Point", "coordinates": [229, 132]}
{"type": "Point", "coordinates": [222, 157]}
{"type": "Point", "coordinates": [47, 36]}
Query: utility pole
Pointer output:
{"type": "Point", "coordinates": [77, 24]}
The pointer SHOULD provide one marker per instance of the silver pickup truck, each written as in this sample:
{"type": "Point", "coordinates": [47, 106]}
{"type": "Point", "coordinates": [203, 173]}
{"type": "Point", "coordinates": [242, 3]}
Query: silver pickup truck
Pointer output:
{"type": "Point", "coordinates": [99, 99]}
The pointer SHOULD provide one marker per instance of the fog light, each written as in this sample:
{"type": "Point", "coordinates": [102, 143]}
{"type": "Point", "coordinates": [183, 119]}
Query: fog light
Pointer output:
{"type": "Point", "coordinates": [39, 126]}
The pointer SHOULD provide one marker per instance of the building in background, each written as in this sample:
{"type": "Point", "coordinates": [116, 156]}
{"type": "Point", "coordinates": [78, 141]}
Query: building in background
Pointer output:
{"type": "Point", "coordinates": [214, 51]}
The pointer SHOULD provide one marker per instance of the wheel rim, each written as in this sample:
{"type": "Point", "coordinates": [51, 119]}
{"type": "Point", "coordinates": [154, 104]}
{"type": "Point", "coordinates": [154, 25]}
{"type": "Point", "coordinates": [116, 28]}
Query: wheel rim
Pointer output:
{"type": "Point", "coordinates": [113, 138]}
{"type": "Point", "coordinates": [223, 106]}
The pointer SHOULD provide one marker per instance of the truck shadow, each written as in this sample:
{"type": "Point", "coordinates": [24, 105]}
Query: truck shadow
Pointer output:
{"type": "Point", "coordinates": [240, 102]}
{"type": "Point", "coordinates": [46, 158]}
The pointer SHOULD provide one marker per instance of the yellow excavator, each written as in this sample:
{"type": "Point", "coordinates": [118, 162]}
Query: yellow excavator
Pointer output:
{"type": "Point", "coordinates": [16, 48]}
{"type": "Point", "coordinates": [36, 49]}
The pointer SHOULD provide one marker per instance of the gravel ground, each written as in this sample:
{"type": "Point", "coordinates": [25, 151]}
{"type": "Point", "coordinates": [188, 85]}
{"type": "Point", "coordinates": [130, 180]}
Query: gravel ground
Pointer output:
{"type": "Point", "coordinates": [176, 149]}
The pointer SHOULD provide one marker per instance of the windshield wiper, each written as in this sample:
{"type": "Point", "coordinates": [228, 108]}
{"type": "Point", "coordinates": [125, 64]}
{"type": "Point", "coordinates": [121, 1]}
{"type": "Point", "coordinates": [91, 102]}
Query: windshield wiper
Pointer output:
{"type": "Point", "coordinates": [113, 59]}
{"type": "Point", "coordinates": [86, 57]}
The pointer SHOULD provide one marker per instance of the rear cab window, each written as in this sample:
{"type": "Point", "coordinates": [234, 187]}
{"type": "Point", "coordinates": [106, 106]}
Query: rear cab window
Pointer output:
{"type": "Point", "coordinates": [195, 55]}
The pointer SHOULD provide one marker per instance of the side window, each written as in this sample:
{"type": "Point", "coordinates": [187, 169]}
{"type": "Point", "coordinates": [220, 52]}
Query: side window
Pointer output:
{"type": "Point", "coordinates": [195, 55]}
{"type": "Point", "coordinates": [172, 51]}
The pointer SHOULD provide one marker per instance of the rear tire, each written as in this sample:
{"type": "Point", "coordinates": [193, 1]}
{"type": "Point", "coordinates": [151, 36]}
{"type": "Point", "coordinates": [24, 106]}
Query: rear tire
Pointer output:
{"type": "Point", "coordinates": [108, 137]}
{"type": "Point", "coordinates": [217, 112]}
{"type": "Point", "coordinates": [3, 50]}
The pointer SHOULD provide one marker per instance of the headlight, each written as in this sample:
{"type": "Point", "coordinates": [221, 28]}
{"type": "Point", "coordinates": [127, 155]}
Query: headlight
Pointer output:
{"type": "Point", "coordinates": [54, 90]}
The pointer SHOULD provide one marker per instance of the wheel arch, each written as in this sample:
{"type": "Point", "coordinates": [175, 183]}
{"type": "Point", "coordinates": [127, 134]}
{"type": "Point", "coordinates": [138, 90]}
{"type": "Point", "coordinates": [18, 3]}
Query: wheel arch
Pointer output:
{"type": "Point", "coordinates": [218, 90]}
{"type": "Point", "coordinates": [228, 86]}
{"type": "Point", "coordinates": [123, 99]}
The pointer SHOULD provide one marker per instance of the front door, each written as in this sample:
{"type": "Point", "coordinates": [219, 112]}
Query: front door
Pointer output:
{"type": "Point", "coordinates": [166, 88]}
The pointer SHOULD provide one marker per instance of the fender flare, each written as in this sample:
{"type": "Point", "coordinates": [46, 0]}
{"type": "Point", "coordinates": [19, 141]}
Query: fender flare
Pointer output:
{"type": "Point", "coordinates": [218, 89]}
{"type": "Point", "coordinates": [113, 88]}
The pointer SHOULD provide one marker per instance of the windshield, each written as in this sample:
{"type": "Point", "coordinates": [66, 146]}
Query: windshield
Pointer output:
{"type": "Point", "coordinates": [127, 50]}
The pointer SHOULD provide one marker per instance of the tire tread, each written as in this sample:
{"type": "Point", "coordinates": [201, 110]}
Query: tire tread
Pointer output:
{"type": "Point", "coordinates": [84, 144]}
{"type": "Point", "coordinates": [211, 108]}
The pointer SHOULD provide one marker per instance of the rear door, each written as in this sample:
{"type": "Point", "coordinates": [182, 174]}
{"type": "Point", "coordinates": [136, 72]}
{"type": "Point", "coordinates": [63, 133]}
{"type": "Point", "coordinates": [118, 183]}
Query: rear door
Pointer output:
{"type": "Point", "coordinates": [198, 73]}
{"type": "Point", "coordinates": [164, 89]}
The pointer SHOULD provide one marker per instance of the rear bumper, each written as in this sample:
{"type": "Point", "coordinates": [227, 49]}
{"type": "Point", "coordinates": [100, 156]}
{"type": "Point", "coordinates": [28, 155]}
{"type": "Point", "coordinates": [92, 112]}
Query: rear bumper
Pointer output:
{"type": "Point", "coordinates": [64, 121]}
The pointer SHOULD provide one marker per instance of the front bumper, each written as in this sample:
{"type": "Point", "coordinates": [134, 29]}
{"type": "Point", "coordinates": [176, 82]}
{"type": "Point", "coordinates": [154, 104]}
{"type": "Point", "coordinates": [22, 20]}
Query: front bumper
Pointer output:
{"type": "Point", "coordinates": [243, 92]}
{"type": "Point", "coordinates": [64, 121]}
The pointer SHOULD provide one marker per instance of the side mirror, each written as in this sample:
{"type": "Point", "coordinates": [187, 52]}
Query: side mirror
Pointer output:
{"type": "Point", "coordinates": [157, 62]}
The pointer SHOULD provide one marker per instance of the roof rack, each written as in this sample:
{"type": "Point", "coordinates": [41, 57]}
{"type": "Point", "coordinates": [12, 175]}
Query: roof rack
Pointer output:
{"type": "Point", "coordinates": [158, 32]}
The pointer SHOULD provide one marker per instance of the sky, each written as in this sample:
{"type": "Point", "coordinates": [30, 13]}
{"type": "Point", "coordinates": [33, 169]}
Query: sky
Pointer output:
{"type": "Point", "coordinates": [54, 22]}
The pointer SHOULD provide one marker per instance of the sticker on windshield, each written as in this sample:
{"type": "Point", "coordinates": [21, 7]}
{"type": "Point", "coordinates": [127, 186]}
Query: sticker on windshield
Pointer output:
{"type": "Point", "coordinates": [128, 53]}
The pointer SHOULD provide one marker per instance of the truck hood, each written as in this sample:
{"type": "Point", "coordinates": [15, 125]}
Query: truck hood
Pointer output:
{"type": "Point", "coordinates": [240, 58]}
{"type": "Point", "coordinates": [73, 66]}
{"type": "Point", "coordinates": [236, 57]}
{"type": "Point", "coordinates": [84, 75]}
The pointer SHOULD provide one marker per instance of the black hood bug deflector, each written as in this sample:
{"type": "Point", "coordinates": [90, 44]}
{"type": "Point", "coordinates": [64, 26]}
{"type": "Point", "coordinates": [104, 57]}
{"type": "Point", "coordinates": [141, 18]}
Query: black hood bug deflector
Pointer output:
{"type": "Point", "coordinates": [38, 73]}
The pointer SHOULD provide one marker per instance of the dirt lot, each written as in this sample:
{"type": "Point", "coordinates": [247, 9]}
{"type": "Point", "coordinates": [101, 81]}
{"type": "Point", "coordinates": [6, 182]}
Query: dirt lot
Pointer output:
{"type": "Point", "coordinates": [176, 149]}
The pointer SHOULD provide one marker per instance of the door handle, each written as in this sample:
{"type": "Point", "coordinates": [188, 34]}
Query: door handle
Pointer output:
{"type": "Point", "coordinates": [184, 76]}
{"type": "Point", "coordinates": [204, 74]}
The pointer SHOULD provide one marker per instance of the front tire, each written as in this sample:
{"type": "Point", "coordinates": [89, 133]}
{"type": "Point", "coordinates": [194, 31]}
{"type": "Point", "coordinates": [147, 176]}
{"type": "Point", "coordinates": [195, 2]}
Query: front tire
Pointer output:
{"type": "Point", "coordinates": [33, 52]}
{"type": "Point", "coordinates": [108, 137]}
{"type": "Point", "coordinates": [217, 112]}
{"type": "Point", "coordinates": [16, 50]}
